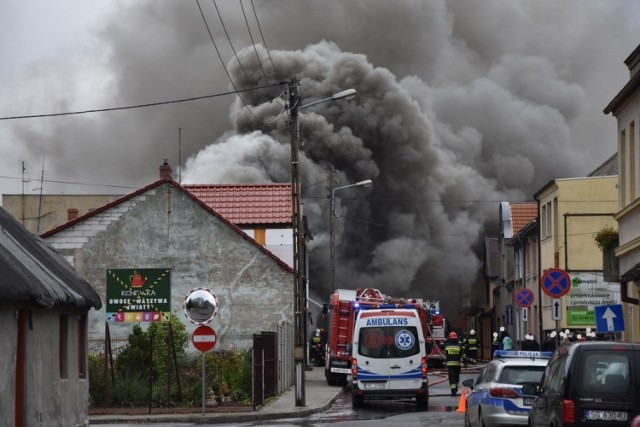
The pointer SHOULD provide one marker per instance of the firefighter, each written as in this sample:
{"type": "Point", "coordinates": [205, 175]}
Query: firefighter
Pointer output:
{"type": "Point", "coordinates": [316, 343]}
{"type": "Point", "coordinates": [455, 357]}
{"type": "Point", "coordinates": [471, 347]}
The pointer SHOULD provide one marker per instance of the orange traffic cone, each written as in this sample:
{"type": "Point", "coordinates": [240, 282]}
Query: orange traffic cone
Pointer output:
{"type": "Point", "coordinates": [462, 403]}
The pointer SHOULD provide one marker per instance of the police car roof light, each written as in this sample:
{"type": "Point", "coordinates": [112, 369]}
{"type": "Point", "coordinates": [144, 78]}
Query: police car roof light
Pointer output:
{"type": "Point", "coordinates": [523, 353]}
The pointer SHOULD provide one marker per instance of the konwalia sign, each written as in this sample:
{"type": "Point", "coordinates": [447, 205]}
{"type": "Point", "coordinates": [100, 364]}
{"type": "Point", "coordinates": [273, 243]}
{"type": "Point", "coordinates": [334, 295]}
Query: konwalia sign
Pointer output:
{"type": "Point", "coordinates": [138, 295]}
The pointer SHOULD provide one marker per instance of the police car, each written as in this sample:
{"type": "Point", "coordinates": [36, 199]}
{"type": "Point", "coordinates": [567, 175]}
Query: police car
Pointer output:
{"type": "Point", "coordinates": [496, 397]}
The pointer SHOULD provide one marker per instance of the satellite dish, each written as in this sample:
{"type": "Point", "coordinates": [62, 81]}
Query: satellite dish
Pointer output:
{"type": "Point", "coordinates": [200, 306]}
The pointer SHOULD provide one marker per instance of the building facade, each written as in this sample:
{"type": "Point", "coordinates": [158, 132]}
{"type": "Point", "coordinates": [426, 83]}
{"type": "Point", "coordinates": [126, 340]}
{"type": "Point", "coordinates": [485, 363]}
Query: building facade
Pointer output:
{"type": "Point", "coordinates": [625, 107]}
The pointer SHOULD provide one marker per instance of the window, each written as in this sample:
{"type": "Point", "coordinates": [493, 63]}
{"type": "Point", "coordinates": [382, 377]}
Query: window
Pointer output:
{"type": "Point", "coordinates": [63, 345]}
{"type": "Point", "coordinates": [521, 374]}
{"type": "Point", "coordinates": [605, 372]}
{"type": "Point", "coordinates": [389, 342]}
{"type": "Point", "coordinates": [82, 346]}
{"type": "Point", "coordinates": [623, 169]}
{"type": "Point", "coordinates": [543, 219]}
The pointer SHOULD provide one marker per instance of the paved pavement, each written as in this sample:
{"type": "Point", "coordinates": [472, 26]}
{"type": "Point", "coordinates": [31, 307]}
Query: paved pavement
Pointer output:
{"type": "Point", "coordinates": [318, 397]}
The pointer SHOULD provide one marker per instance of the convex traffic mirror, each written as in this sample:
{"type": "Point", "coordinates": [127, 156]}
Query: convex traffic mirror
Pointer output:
{"type": "Point", "coordinates": [200, 306]}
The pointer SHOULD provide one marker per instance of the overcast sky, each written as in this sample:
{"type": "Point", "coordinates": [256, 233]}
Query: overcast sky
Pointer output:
{"type": "Point", "coordinates": [462, 104]}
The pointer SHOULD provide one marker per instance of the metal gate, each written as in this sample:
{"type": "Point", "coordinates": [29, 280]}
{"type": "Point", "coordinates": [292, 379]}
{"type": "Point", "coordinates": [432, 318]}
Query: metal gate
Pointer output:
{"type": "Point", "coordinates": [265, 367]}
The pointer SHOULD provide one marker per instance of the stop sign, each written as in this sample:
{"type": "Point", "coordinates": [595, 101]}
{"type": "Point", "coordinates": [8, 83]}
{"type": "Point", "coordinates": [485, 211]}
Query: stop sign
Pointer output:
{"type": "Point", "coordinates": [204, 338]}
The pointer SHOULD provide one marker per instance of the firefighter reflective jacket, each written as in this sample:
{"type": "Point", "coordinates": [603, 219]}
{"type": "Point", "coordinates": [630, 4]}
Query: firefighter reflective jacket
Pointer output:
{"type": "Point", "coordinates": [454, 352]}
{"type": "Point", "coordinates": [472, 343]}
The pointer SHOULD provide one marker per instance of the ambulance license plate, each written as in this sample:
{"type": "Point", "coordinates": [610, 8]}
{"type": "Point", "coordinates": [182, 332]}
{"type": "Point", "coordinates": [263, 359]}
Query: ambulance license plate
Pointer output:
{"type": "Point", "coordinates": [374, 386]}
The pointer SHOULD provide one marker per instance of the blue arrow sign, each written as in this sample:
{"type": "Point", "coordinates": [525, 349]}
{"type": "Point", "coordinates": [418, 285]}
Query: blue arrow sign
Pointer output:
{"type": "Point", "coordinates": [609, 318]}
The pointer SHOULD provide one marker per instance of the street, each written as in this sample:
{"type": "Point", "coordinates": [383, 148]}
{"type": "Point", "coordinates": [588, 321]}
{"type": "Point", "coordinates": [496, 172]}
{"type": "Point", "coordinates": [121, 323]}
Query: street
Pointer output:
{"type": "Point", "coordinates": [441, 410]}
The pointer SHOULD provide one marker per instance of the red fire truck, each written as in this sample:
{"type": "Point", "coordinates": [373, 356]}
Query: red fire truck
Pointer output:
{"type": "Point", "coordinates": [341, 313]}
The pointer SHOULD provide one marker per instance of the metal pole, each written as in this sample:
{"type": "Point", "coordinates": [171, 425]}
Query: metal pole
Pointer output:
{"type": "Point", "coordinates": [298, 282]}
{"type": "Point", "coordinates": [203, 394]}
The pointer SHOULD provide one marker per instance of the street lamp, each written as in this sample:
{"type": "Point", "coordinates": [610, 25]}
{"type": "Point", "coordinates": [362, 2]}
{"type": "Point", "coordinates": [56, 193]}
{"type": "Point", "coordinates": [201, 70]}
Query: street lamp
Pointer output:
{"type": "Point", "coordinates": [366, 183]}
{"type": "Point", "coordinates": [299, 285]}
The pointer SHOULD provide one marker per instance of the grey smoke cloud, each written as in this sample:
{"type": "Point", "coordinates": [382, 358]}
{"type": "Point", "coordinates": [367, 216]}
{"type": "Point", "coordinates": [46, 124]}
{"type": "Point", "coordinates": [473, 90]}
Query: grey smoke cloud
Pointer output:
{"type": "Point", "coordinates": [461, 105]}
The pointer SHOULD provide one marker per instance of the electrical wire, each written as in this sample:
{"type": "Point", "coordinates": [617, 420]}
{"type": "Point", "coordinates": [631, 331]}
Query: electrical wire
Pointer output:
{"type": "Point", "coordinates": [222, 61]}
{"type": "Point", "coordinates": [130, 107]}
{"type": "Point", "coordinates": [252, 41]}
{"type": "Point", "coordinates": [263, 40]}
{"type": "Point", "coordinates": [224, 27]}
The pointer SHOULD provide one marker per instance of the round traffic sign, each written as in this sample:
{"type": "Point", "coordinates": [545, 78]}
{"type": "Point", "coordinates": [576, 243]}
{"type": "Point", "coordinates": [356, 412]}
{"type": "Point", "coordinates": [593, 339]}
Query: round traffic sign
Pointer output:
{"type": "Point", "coordinates": [555, 282]}
{"type": "Point", "coordinates": [204, 338]}
{"type": "Point", "coordinates": [524, 298]}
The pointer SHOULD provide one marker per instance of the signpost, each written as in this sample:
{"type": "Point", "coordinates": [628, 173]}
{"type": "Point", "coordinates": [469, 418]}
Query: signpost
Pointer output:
{"type": "Point", "coordinates": [556, 309]}
{"type": "Point", "coordinates": [204, 338]}
{"type": "Point", "coordinates": [201, 306]}
{"type": "Point", "coordinates": [555, 282]}
{"type": "Point", "coordinates": [524, 298]}
{"type": "Point", "coordinates": [609, 318]}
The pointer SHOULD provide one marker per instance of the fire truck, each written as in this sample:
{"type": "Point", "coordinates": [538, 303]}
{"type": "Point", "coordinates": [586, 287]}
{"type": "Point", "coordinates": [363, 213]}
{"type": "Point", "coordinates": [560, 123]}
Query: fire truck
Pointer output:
{"type": "Point", "coordinates": [341, 313]}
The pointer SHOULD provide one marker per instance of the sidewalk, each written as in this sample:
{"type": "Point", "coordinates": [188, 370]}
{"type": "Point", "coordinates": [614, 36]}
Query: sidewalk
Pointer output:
{"type": "Point", "coordinates": [318, 397]}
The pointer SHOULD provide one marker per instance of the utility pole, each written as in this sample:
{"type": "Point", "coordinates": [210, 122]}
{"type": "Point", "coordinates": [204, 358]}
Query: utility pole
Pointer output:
{"type": "Point", "coordinates": [332, 223]}
{"type": "Point", "coordinates": [299, 279]}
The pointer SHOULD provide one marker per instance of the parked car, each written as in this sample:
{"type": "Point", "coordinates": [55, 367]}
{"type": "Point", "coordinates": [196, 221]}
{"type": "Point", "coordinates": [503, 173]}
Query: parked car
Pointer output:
{"type": "Point", "coordinates": [496, 397]}
{"type": "Point", "coordinates": [593, 383]}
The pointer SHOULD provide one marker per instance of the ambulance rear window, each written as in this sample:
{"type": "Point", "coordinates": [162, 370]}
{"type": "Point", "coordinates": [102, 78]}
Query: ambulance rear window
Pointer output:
{"type": "Point", "coordinates": [385, 342]}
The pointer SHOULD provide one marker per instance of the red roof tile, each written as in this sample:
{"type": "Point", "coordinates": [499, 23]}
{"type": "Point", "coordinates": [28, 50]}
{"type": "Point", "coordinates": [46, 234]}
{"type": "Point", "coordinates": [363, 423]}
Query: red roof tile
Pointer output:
{"type": "Point", "coordinates": [245, 204]}
{"type": "Point", "coordinates": [522, 214]}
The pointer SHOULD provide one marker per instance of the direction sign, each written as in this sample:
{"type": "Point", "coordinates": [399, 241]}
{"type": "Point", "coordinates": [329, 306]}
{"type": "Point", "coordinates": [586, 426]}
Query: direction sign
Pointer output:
{"type": "Point", "coordinates": [556, 309]}
{"type": "Point", "coordinates": [609, 318]}
{"type": "Point", "coordinates": [204, 338]}
{"type": "Point", "coordinates": [555, 282]}
{"type": "Point", "coordinates": [525, 314]}
{"type": "Point", "coordinates": [524, 298]}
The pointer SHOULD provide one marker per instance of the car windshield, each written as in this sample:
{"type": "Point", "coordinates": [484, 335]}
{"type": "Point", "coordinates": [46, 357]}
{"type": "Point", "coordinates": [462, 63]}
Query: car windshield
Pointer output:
{"type": "Point", "coordinates": [519, 375]}
{"type": "Point", "coordinates": [388, 342]}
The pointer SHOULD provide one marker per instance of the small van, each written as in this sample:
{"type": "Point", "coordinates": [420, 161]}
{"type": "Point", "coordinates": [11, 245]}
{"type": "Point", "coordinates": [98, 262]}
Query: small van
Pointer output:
{"type": "Point", "coordinates": [389, 358]}
{"type": "Point", "coordinates": [590, 383]}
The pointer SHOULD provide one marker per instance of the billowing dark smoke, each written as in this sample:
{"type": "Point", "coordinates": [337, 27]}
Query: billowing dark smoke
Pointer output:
{"type": "Point", "coordinates": [461, 105]}
{"type": "Point", "coordinates": [441, 160]}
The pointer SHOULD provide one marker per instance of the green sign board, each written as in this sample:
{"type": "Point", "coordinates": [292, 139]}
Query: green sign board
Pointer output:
{"type": "Point", "coordinates": [138, 295]}
{"type": "Point", "coordinates": [577, 317]}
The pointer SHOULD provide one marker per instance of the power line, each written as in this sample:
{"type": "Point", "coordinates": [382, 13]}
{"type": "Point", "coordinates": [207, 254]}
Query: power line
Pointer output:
{"type": "Point", "coordinates": [252, 41]}
{"type": "Point", "coordinates": [131, 107]}
{"type": "Point", "coordinates": [224, 27]}
{"type": "Point", "coordinates": [263, 40]}
{"type": "Point", "coordinates": [222, 61]}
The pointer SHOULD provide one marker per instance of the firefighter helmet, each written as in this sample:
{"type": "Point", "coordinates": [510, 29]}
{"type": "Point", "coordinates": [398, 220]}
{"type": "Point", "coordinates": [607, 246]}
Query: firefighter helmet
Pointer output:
{"type": "Point", "coordinates": [453, 336]}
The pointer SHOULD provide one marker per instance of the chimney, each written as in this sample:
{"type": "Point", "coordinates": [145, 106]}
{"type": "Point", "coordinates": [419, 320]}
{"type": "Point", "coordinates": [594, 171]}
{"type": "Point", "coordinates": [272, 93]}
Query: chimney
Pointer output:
{"type": "Point", "coordinates": [72, 213]}
{"type": "Point", "coordinates": [165, 170]}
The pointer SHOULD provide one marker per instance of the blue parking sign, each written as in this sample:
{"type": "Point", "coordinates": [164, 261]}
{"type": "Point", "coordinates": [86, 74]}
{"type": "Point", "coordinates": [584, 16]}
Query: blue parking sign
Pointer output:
{"type": "Point", "coordinates": [609, 318]}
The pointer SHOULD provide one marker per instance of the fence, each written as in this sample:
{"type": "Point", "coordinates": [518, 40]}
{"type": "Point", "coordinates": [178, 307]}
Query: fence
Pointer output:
{"type": "Point", "coordinates": [156, 368]}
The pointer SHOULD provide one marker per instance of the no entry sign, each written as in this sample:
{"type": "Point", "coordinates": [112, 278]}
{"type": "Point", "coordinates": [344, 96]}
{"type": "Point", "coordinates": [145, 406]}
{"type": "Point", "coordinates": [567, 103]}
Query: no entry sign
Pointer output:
{"type": "Point", "coordinates": [204, 338]}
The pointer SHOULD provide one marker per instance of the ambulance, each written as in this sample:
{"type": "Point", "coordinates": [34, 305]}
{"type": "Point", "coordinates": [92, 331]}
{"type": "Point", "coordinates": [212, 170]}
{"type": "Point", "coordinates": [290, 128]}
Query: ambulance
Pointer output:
{"type": "Point", "coordinates": [389, 357]}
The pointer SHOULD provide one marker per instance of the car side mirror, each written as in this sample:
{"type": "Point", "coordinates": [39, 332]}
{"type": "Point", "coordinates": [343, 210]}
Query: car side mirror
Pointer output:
{"type": "Point", "coordinates": [468, 383]}
{"type": "Point", "coordinates": [530, 389]}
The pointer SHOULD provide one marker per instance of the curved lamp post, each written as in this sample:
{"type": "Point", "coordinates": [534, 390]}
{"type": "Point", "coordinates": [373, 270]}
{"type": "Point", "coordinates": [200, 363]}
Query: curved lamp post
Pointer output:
{"type": "Point", "coordinates": [366, 183]}
{"type": "Point", "coordinates": [299, 284]}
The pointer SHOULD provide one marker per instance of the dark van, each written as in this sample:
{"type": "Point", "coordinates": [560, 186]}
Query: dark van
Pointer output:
{"type": "Point", "coordinates": [593, 383]}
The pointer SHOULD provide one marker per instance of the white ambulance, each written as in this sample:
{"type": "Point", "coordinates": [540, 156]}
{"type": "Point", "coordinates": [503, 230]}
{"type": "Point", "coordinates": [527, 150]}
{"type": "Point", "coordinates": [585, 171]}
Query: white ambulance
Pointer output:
{"type": "Point", "coordinates": [389, 357]}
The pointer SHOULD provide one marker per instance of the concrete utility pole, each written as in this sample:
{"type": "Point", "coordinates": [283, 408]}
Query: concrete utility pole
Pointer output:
{"type": "Point", "coordinates": [332, 223]}
{"type": "Point", "coordinates": [296, 220]}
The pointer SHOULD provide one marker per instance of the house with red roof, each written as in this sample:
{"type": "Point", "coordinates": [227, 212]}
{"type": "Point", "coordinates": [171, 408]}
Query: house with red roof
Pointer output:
{"type": "Point", "coordinates": [163, 238]}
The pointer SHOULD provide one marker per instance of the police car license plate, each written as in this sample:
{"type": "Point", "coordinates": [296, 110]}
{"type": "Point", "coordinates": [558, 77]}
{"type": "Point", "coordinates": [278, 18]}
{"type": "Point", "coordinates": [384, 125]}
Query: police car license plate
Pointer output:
{"type": "Point", "coordinates": [374, 386]}
{"type": "Point", "coordinates": [606, 415]}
